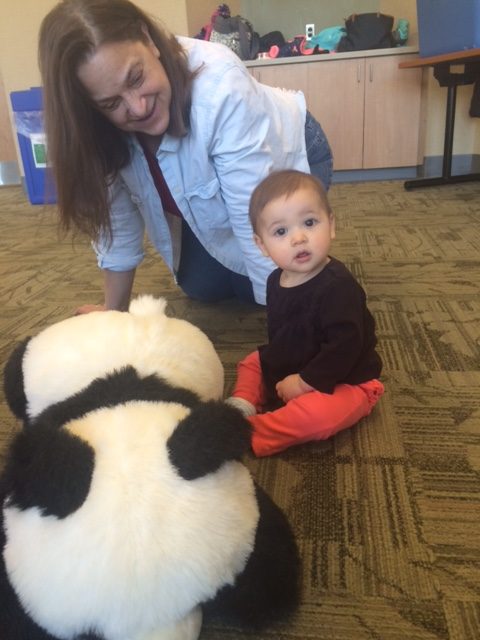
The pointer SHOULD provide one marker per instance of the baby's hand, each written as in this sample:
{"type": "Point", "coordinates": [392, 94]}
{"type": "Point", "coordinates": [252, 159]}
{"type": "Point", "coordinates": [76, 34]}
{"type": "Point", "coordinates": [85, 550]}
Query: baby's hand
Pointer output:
{"type": "Point", "coordinates": [291, 387]}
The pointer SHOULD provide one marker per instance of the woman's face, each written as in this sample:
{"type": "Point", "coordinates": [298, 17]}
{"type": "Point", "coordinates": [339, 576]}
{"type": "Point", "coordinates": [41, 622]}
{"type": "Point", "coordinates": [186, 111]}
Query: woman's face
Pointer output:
{"type": "Point", "coordinates": [128, 84]}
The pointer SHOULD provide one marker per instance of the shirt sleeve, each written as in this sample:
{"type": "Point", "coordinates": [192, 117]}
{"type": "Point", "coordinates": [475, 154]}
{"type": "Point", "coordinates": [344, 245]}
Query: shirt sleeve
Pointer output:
{"type": "Point", "coordinates": [125, 250]}
{"type": "Point", "coordinates": [341, 320]}
{"type": "Point", "coordinates": [248, 142]}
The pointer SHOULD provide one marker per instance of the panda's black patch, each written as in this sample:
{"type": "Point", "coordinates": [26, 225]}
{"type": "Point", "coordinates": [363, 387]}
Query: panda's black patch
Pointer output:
{"type": "Point", "coordinates": [50, 469]}
{"type": "Point", "coordinates": [13, 385]}
{"type": "Point", "coordinates": [269, 587]}
{"type": "Point", "coordinates": [117, 388]}
{"type": "Point", "coordinates": [210, 435]}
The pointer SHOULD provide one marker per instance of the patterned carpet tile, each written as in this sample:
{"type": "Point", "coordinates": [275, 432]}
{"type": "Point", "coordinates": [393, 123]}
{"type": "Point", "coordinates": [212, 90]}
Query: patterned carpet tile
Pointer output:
{"type": "Point", "coordinates": [387, 513]}
{"type": "Point", "coordinates": [335, 617]}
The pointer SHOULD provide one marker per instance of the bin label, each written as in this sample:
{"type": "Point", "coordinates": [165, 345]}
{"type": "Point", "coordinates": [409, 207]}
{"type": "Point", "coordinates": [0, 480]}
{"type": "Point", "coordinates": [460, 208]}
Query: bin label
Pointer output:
{"type": "Point", "coordinates": [39, 149]}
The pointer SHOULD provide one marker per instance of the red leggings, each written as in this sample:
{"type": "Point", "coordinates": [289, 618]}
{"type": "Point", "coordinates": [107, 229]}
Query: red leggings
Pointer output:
{"type": "Point", "coordinates": [311, 416]}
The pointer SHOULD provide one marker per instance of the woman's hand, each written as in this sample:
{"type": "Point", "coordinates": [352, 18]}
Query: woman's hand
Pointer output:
{"type": "Point", "coordinates": [291, 387]}
{"type": "Point", "coordinates": [118, 288]}
{"type": "Point", "coordinates": [88, 308]}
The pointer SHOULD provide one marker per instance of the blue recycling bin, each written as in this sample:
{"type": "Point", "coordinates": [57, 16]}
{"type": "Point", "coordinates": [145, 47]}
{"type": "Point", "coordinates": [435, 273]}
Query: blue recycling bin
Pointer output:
{"type": "Point", "coordinates": [27, 109]}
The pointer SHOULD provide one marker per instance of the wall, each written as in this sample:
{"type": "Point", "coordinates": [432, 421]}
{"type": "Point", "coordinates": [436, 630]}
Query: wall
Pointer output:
{"type": "Point", "coordinates": [7, 145]}
{"type": "Point", "coordinates": [402, 9]}
{"type": "Point", "coordinates": [291, 17]}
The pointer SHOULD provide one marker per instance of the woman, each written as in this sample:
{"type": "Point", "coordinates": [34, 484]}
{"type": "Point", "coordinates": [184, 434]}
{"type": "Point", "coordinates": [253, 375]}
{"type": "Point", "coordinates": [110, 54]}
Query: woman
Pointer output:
{"type": "Point", "coordinates": [148, 132]}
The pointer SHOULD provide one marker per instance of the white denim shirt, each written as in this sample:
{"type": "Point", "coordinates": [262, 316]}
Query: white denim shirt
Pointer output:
{"type": "Point", "coordinates": [240, 130]}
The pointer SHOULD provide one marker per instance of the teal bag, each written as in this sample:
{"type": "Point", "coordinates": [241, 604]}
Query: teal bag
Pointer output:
{"type": "Point", "coordinates": [327, 39]}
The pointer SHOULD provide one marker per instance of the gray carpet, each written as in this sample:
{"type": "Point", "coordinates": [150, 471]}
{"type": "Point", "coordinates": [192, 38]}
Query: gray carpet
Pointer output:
{"type": "Point", "coordinates": [386, 514]}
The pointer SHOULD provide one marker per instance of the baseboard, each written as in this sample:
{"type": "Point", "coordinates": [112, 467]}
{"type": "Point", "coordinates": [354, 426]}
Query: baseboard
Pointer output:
{"type": "Point", "coordinates": [431, 167]}
{"type": "Point", "coordinates": [9, 174]}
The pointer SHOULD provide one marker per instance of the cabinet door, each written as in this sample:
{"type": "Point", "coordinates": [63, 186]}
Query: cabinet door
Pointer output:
{"type": "Point", "coordinates": [368, 107]}
{"type": "Point", "coordinates": [335, 97]}
{"type": "Point", "coordinates": [285, 76]}
{"type": "Point", "coordinates": [334, 93]}
{"type": "Point", "coordinates": [392, 113]}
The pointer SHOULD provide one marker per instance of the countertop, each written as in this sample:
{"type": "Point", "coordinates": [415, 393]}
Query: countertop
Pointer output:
{"type": "Point", "coordinates": [325, 57]}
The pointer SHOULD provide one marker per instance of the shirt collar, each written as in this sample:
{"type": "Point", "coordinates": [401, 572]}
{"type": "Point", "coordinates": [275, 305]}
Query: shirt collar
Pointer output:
{"type": "Point", "coordinates": [168, 143]}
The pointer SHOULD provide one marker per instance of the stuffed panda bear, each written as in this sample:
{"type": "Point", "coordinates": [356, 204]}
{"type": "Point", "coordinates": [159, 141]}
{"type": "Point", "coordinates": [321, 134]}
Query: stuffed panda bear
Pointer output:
{"type": "Point", "coordinates": [126, 511]}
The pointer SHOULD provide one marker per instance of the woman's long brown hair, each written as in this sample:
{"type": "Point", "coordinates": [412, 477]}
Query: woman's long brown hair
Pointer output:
{"type": "Point", "coordinates": [85, 150]}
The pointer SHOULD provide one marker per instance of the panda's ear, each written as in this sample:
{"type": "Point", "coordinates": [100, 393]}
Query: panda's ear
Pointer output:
{"type": "Point", "coordinates": [210, 435]}
{"type": "Point", "coordinates": [48, 468]}
{"type": "Point", "coordinates": [13, 385]}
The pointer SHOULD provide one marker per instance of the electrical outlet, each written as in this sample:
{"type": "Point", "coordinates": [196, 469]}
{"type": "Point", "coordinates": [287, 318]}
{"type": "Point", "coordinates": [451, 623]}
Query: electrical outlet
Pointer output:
{"type": "Point", "coordinates": [309, 31]}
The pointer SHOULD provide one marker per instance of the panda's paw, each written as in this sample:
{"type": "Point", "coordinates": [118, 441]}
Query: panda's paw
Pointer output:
{"type": "Point", "coordinates": [211, 434]}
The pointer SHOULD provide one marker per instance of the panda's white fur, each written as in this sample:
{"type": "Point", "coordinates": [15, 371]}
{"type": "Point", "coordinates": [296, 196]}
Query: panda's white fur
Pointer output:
{"type": "Point", "coordinates": [144, 338]}
{"type": "Point", "coordinates": [109, 584]}
{"type": "Point", "coordinates": [125, 509]}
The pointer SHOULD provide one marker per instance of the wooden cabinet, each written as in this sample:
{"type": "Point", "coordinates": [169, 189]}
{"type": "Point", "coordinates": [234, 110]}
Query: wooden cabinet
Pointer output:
{"type": "Point", "coordinates": [368, 107]}
{"type": "Point", "coordinates": [336, 98]}
{"type": "Point", "coordinates": [392, 114]}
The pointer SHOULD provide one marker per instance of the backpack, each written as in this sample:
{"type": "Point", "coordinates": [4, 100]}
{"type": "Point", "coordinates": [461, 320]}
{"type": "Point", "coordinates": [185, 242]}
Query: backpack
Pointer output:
{"type": "Point", "coordinates": [367, 31]}
{"type": "Point", "coordinates": [235, 32]}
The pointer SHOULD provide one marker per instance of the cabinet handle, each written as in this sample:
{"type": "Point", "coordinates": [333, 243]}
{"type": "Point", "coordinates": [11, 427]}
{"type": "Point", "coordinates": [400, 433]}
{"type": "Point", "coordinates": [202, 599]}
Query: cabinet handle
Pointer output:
{"type": "Point", "coordinates": [359, 73]}
{"type": "Point", "coordinates": [370, 72]}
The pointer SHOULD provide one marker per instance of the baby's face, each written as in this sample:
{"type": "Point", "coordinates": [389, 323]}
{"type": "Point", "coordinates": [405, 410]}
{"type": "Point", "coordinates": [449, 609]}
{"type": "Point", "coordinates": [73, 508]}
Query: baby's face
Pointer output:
{"type": "Point", "coordinates": [296, 232]}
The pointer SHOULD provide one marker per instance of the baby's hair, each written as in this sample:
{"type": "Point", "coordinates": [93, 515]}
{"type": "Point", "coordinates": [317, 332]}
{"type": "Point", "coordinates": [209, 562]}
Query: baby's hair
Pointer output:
{"type": "Point", "coordinates": [283, 183]}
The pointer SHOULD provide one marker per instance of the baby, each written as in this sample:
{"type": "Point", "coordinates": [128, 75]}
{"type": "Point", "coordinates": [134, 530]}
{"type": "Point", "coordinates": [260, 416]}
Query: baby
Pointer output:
{"type": "Point", "coordinates": [318, 373]}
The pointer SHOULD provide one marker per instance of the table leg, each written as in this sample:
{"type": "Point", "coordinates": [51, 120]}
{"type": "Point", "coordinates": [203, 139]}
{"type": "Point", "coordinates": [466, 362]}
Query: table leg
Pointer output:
{"type": "Point", "coordinates": [446, 177]}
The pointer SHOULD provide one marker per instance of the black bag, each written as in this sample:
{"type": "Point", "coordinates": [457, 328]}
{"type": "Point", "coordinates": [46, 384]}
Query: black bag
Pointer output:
{"type": "Point", "coordinates": [238, 34]}
{"type": "Point", "coordinates": [367, 31]}
{"type": "Point", "coordinates": [270, 39]}
{"type": "Point", "coordinates": [235, 32]}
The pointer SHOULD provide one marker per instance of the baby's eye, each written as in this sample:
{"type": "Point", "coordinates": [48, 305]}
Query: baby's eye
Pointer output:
{"type": "Point", "coordinates": [281, 231]}
{"type": "Point", "coordinates": [311, 222]}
